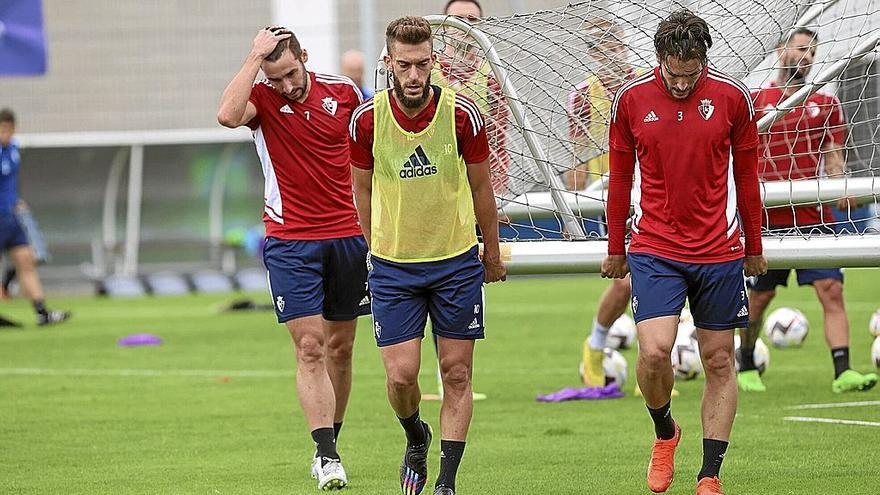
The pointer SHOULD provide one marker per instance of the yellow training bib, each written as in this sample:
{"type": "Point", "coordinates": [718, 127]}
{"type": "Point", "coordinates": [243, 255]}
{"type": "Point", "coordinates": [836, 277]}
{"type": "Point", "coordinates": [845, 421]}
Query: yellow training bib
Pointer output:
{"type": "Point", "coordinates": [422, 209]}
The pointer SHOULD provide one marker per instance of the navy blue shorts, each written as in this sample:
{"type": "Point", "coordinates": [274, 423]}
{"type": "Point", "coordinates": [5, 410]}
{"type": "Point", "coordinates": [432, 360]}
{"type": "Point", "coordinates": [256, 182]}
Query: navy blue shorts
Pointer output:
{"type": "Point", "coordinates": [11, 232]}
{"type": "Point", "coordinates": [327, 277]}
{"type": "Point", "coordinates": [716, 291]}
{"type": "Point", "coordinates": [805, 276]}
{"type": "Point", "coordinates": [449, 291]}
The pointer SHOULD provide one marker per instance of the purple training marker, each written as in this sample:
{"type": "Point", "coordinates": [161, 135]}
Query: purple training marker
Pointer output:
{"type": "Point", "coordinates": [610, 391]}
{"type": "Point", "coordinates": [139, 339]}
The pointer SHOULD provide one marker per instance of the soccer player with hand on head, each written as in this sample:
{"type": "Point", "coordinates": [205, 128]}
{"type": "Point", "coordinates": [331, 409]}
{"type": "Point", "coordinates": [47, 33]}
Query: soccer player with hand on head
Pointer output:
{"type": "Point", "coordinates": [315, 252]}
{"type": "Point", "coordinates": [797, 147]}
{"type": "Point", "coordinates": [686, 232]}
{"type": "Point", "coordinates": [420, 168]}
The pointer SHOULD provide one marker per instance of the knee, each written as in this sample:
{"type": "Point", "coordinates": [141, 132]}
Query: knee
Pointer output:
{"type": "Point", "coordinates": [759, 300]}
{"type": "Point", "coordinates": [718, 363]}
{"type": "Point", "coordinates": [456, 376]}
{"type": "Point", "coordinates": [25, 262]}
{"type": "Point", "coordinates": [622, 289]}
{"type": "Point", "coordinates": [830, 293]}
{"type": "Point", "coordinates": [401, 381]}
{"type": "Point", "coordinates": [310, 349]}
{"type": "Point", "coordinates": [655, 358]}
{"type": "Point", "coordinates": [340, 350]}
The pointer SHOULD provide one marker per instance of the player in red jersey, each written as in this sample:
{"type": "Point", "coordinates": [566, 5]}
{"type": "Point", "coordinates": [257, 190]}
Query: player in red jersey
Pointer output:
{"type": "Point", "coordinates": [315, 252]}
{"type": "Point", "coordinates": [798, 146]}
{"type": "Point", "coordinates": [686, 134]}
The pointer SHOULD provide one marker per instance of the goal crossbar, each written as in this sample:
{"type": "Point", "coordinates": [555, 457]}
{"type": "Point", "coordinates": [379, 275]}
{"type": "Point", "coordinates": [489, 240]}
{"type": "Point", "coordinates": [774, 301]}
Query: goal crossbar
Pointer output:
{"type": "Point", "coordinates": [570, 207]}
{"type": "Point", "coordinates": [565, 257]}
{"type": "Point", "coordinates": [777, 193]}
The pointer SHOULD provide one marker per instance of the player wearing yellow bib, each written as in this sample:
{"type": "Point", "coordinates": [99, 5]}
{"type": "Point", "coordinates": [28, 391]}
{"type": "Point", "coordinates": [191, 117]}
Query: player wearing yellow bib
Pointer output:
{"type": "Point", "coordinates": [421, 177]}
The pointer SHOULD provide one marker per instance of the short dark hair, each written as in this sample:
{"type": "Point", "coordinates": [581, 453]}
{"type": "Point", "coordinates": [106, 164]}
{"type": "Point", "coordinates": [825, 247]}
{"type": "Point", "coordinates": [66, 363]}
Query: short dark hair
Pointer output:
{"type": "Point", "coordinates": [475, 2]}
{"type": "Point", "coordinates": [683, 35]}
{"type": "Point", "coordinates": [282, 45]}
{"type": "Point", "coordinates": [410, 30]}
{"type": "Point", "coordinates": [801, 30]}
{"type": "Point", "coordinates": [7, 115]}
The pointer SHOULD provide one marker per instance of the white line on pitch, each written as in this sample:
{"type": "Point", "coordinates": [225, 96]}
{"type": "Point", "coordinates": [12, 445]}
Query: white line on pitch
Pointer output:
{"type": "Point", "coordinates": [831, 405]}
{"type": "Point", "coordinates": [831, 421]}
{"type": "Point", "coordinates": [145, 372]}
{"type": "Point", "coordinates": [236, 373]}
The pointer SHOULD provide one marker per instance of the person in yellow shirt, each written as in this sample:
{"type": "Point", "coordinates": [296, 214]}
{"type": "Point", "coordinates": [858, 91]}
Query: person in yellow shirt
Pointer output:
{"type": "Point", "coordinates": [589, 110]}
{"type": "Point", "coordinates": [589, 105]}
{"type": "Point", "coordinates": [420, 170]}
{"type": "Point", "coordinates": [460, 67]}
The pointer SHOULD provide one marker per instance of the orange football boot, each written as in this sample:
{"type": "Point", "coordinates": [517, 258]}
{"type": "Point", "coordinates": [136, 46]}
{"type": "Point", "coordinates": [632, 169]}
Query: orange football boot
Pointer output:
{"type": "Point", "coordinates": [662, 465]}
{"type": "Point", "coordinates": [709, 486]}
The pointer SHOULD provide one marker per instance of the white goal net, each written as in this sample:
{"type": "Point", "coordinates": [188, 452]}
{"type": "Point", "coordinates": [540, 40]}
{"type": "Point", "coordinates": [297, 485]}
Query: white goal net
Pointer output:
{"type": "Point", "coordinates": [545, 82]}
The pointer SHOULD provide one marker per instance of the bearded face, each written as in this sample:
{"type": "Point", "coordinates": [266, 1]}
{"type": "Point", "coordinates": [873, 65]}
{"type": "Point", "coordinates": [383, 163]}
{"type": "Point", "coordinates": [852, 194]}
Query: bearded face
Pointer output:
{"type": "Point", "coordinates": [411, 67]}
{"type": "Point", "coordinates": [796, 59]}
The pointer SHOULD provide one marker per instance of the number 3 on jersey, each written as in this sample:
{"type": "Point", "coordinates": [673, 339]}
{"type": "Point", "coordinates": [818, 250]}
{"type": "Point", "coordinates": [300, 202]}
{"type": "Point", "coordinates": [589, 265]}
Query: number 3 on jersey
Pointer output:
{"type": "Point", "coordinates": [680, 115]}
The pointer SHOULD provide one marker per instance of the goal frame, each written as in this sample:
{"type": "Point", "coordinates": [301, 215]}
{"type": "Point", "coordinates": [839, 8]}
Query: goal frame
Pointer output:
{"type": "Point", "coordinates": [579, 255]}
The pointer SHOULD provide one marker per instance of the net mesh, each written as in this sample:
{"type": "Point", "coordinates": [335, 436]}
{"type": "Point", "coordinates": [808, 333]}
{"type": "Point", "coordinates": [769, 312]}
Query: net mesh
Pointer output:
{"type": "Point", "coordinates": [565, 64]}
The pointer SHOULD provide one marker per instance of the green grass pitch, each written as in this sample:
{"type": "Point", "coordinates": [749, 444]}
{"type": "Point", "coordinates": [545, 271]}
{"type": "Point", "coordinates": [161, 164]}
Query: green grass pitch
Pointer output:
{"type": "Point", "coordinates": [213, 410]}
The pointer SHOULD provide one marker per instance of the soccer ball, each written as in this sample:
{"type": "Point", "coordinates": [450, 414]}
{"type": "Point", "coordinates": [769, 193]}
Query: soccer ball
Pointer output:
{"type": "Point", "coordinates": [686, 355]}
{"type": "Point", "coordinates": [786, 327]}
{"type": "Point", "coordinates": [615, 367]}
{"type": "Point", "coordinates": [622, 333]}
{"type": "Point", "coordinates": [686, 326]}
{"type": "Point", "coordinates": [761, 354]}
{"type": "Point", "coordinates": [874, 325]}
{"type": "Point", "coordinates": [875, 352]}
{"type": "Point", "coordinates": [686, 317]}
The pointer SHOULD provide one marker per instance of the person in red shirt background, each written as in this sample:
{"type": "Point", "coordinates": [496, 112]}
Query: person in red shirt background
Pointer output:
{"type": "Point", "coordinates": [686, 232]}
{"type": "Point", "coordinates": [315, 251]}
{"type": "Point", "coordinates": [806, 142]}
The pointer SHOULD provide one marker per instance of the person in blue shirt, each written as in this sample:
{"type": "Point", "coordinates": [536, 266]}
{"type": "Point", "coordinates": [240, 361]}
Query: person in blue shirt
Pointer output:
{"type": "Point", "coordinates": [12, 237]}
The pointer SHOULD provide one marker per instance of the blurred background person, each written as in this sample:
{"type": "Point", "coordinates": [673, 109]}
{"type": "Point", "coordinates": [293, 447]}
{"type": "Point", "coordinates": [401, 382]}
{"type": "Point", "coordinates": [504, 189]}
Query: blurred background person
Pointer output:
{"type": "Point", "coordinates": [461, 68]}
{"type": "Point", "coordinates": [589, 105]}
{"type": "Point", "coordinates": [12, 236]}
{"type": "Point", "coordinates": [351, 65]}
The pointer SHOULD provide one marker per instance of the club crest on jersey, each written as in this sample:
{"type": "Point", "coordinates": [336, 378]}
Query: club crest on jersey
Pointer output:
{"type": "Point", "coordinates": [329, 104]}
{"type": "Point", "coordinates": [706, 108]}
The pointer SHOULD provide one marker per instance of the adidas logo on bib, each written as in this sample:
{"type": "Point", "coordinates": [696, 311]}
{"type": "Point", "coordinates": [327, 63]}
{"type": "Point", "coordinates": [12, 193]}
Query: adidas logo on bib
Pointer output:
{"type": "Point", "coordinates": [418, 165]}
{"type": "Point", "coordinates": [651, 117]}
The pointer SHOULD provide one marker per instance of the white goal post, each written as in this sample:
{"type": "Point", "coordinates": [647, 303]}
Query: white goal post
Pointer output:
{"type": "Point", "coordinates": [573, 250]}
